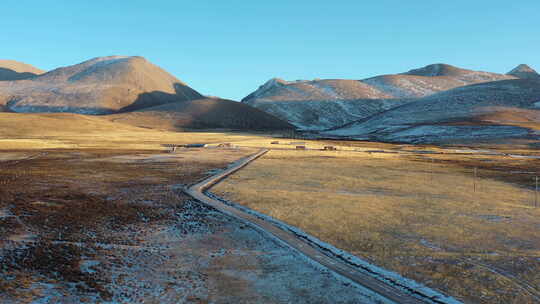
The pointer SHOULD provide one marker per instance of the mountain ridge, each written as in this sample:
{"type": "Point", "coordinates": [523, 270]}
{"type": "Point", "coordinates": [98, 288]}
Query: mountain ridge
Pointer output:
{"type": "Point", "coordinates": [328, 103]}
{"type": "Point", "coordinates": [455, 114]}
{"type": "Point", "coordinates": [525, 72]}
{"type": "Point", "coordinates": [11, 70]}
{"type": "Point", "coordinates": [101, 85]}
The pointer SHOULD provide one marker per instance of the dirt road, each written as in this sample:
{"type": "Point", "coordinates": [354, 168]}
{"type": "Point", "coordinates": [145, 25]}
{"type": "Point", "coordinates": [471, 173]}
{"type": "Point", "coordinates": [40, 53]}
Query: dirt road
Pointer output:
{"type": "Point", "coordinates": [392, 290]}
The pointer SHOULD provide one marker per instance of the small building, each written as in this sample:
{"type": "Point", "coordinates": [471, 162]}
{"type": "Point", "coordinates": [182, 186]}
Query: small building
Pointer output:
{"type": "Point", "coordinates": [330, 148]}
{"type": "Point", "coordinates": [194, 145]}
{"type": "Point", "coordinates": [170, 148]}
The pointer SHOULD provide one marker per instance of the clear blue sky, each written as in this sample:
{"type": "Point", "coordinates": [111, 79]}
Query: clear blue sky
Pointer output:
{"type": "Point", "coordinates": [230, 47]}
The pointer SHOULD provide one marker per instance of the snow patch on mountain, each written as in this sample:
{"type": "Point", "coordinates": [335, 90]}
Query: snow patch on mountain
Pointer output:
{"type": "Point", "coordinates": [435, 116]}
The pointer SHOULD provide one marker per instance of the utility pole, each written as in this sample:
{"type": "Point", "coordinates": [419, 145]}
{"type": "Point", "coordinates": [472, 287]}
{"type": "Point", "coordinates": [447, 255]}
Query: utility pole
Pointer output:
{"type": "Point", "coordinates": [536, 191]}
{"type": "Point", "coordinates": [474, 180]}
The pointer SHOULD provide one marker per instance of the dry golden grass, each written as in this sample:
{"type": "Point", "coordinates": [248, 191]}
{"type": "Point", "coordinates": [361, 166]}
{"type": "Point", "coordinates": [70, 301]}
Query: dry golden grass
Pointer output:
{"type": "Point", "coordinates": [51, 131]}
{"type": "Point", "coordinates": [401, 211]}
{"type": "Point", "coordinates": [409, 214]}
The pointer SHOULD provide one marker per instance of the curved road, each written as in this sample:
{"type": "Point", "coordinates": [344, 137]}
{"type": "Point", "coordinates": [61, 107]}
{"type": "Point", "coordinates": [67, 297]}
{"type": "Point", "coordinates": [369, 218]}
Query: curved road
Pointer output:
{"type": "Point", "coordinates": [292, 240]}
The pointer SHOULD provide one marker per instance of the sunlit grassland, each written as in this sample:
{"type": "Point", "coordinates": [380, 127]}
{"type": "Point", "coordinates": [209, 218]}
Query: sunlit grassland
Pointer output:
{"type": "Point", "coordinates": [424, 216]}
{"type": "Point", "coordinates": [72, 131]}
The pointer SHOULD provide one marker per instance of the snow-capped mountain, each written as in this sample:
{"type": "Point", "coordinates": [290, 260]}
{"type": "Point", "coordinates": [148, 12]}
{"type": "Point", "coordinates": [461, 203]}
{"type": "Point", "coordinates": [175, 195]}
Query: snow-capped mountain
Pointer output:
{"type": "Point", "coordinates": [323, 104]}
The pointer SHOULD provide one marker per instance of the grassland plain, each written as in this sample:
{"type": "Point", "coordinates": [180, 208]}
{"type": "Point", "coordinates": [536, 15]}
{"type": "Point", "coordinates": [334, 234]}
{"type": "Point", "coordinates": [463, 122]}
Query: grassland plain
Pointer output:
{"type": "Point", "coordinates": [104, 225]}
{"type": "Point", "coordinates": [90, 212]}
{"type": "Point", "coordinates": [74, 131]}
{"type": "Point", "coordinates": [422, 215]}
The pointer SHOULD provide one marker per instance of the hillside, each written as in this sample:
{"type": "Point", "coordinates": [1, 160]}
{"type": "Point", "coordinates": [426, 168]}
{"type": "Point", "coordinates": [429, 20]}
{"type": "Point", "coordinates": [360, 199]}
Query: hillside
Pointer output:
{"type": "Point", "coordinates": [14, 70]}
{"type": "Point", "coordinates": [430, 80]}
{"type": "Point", "coordinates": [319, 104]}
{"type": "Point", "coordinates": [208, 113]}
{"type": "Point", "coordinates": [525, 72]}
{"type": "Point", "coordinates": [499, 109]}
{"type": "Point", "coordinates": [98, 86]}
{"type": "Point", "coordinates": [322, 104]}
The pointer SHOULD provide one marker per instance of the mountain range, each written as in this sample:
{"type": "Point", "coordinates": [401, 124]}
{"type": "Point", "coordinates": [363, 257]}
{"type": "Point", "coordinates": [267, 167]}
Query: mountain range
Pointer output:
{"type": "Point", "coordinates": [121, 84]}
{"type": "Point", "coordinates": [324, 104]}
{"type": "Point", "coordinates": [506, 108]}
{"type": "Point", "coordinates": [435, 103]}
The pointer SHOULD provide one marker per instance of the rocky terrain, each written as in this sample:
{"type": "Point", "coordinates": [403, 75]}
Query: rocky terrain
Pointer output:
{"type": "Point", "coordinates": [323, 104]}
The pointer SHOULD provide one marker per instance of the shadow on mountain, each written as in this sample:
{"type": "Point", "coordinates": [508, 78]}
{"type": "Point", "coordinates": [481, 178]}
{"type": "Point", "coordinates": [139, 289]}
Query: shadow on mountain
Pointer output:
{"type": "Point", "coordinates": [157, 98]}
{"type": "Point", "coordinates": [8, 75]}
{"type": "Point", "coordinates": [205, 113]}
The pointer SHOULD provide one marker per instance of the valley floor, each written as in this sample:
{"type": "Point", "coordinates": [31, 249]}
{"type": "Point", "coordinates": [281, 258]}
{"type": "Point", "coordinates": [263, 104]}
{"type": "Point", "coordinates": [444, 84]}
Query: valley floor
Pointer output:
{"type": "Point", "coordinates": [419, 211]}
{"type": "Point", "coordinates": [112, 226]}
{"type": "Point", "coordinates": [91, 211]}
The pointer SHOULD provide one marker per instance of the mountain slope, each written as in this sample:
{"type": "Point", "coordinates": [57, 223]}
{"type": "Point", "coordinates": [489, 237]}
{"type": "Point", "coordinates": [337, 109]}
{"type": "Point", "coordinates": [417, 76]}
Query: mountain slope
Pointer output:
{"type": "Point", "coordinates": [208, 113]}
{"type": "Point", "coordinates": [430, 80]}
{"type": "Point", "coordinates": [496, 109]}
{"type": "Point", "coordinates": [321, 104]}
{"type": "Point", "coordinates": [14, 70]}
{"type": "Point", "coordinates": [98, 86]}
{"type": "Point", "coordinates": [525, 72]}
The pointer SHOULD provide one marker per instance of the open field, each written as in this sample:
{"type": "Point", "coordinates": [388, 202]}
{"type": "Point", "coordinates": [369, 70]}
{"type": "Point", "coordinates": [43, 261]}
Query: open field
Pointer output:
{"type": "Point", "coordinates": [92, 225]}
{"type": "Point", "coordinates": [73, 131]}
{"type": "Point", "coordinates": [96, 200]}
{"type": "Point", "coordinates": [420, 214]}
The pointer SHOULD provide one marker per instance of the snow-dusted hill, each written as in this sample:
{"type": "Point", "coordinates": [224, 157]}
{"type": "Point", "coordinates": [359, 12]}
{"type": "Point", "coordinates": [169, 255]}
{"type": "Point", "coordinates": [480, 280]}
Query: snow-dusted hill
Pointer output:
{"type": "Point", "coordinates": [320, 104]}
{"type": "Point", "coordinates": [98, 86]}
{"type": "Point", "coordinates": [323, 104]}
{"type": "Point", "coordinates": [430, 80]}
{"type": "Point", "coordinates": [496, 109]}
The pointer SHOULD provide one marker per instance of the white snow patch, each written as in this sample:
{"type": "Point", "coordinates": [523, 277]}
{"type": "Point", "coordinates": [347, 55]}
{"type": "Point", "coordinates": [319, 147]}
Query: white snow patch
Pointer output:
{"type": "Point", "coordinates": [5, 213]}
{"type": "Point", "coordinates": [86, 266]}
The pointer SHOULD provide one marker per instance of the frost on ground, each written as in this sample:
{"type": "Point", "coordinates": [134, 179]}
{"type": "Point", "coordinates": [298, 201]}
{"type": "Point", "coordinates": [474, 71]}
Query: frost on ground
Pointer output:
{"type": "Point", "coordinates": [201, 256]}
{"type": "Point", "coordinates": [81, 228]}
